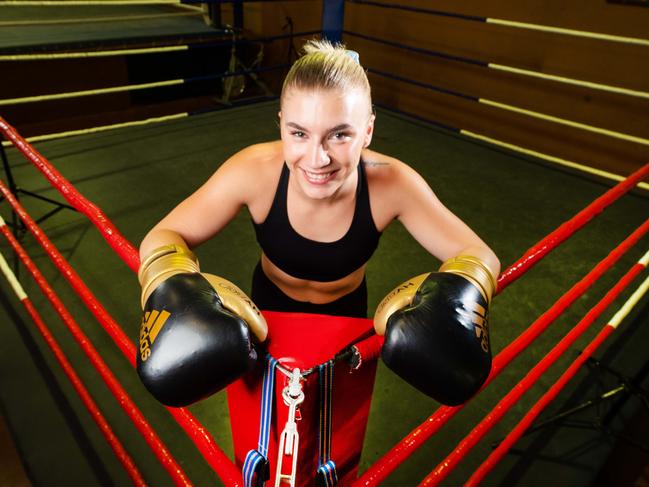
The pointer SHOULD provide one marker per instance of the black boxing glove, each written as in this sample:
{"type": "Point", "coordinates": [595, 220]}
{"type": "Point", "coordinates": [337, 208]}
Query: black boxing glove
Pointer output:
{"type": "Point", "coordinates": [198, 333]}
{"type": "Point", "coordinates": [436, 333]}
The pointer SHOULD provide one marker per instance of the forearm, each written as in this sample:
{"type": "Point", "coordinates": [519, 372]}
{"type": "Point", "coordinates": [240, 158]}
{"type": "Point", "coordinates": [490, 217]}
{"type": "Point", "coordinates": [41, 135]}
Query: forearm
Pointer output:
{"type": "Point", "coordinates": [486, 255]}
{"type": "Point", "coordinates": [159, 237]}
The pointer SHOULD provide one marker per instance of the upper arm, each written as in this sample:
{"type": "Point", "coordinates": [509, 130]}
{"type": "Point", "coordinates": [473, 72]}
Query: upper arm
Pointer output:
{"type": "Point", "coordinates": [205, 212]}
{"type": "Point", "coordinates": [434, 226]}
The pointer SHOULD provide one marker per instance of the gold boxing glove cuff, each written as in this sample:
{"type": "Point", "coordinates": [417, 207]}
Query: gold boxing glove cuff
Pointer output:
{"type": "Point", "coordinates": [400, 297]}
{"type": "Point", "coordinates": [474, 270]}
{"type": "Point", "coordinates": [163, 263]}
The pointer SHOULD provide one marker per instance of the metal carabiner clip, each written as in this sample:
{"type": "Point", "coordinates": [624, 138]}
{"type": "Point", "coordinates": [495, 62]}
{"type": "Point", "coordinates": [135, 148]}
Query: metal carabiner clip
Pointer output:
{"type": "Point", "coordinates": [293, 396]}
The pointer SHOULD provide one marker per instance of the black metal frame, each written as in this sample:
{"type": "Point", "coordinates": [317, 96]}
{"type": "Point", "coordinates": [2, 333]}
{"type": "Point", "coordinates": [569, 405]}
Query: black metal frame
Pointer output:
{"type": "Point", "coordinates": [622, 391]}
{"type": "Point", "coordinates": [17, 226]}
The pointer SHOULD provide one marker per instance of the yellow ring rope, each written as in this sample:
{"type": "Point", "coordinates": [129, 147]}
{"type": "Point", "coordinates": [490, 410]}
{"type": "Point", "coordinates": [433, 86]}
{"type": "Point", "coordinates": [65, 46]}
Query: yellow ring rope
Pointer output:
{"type": "Point", "coordinates": [571, 81]}
{"type": "Point", "coordinates": [86, 20]}
{"type": "Point", "coordinates": [563, 121]}
{"type": "Point", "coordinates": [571, 32]}
{"type": "Point", "coordinates": [557, 160]}
{"type": "Point", "coordinates": [92, 54]}
{"type": "Point", "coordinates": [65, 3]}
{"type": "Point", "coordinates": [100, 91]}
{"type": "Point", "coordinates": [103, 128]}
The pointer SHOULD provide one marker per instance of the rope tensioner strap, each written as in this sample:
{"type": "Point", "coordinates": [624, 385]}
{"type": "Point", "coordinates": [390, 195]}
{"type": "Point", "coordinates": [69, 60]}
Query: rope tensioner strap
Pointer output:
{"type": "Point", "coordinates": [256, 468]}
{"type": "Point", "coordinates": [326, 475]}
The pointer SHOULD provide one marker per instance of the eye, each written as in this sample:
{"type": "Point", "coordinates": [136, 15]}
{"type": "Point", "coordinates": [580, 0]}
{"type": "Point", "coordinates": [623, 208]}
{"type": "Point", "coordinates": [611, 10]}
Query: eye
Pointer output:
{"type": "Point", "coordinates": [297, 133]}
{"type": "Point", "coordinates": [339, 135]}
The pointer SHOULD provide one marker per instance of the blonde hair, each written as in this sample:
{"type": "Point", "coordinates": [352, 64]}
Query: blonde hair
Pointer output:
{"type": "Point", "coordinates": [327, 66]}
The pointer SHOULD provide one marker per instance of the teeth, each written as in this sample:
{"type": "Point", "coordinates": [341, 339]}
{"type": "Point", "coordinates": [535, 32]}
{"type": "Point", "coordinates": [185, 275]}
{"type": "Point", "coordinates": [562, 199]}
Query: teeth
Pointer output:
{"type": "Point", "coordinates": [318, 176]}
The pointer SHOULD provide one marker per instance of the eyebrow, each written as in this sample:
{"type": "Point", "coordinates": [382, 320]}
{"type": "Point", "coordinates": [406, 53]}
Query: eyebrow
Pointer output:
{"type": "Point", "coordinates": [340, 126]}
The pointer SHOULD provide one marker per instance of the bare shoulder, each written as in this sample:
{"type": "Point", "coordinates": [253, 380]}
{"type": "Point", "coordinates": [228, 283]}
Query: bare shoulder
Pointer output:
{"type": "Point", "coordinates": [393, 185]}
{"type": "Point", "coordinates": [251, 176]}
{"type": "Point", "coordinates": [386, 173]}
{"type": "Point", "coordinates": [251, 170]}
{"type": "Point", "coordinates": [256, 159]}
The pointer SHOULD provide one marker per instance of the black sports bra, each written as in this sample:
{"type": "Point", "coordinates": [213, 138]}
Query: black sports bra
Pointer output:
{"type": "Point", "coordinates": [309, 259]}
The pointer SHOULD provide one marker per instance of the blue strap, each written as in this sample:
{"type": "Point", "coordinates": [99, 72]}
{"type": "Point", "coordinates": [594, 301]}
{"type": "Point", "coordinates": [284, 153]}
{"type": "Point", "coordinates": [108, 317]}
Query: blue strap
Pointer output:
{"type": "Point", "coordinates": [326, 475]}
{"type": "Point", "coordinates": [256, 469]}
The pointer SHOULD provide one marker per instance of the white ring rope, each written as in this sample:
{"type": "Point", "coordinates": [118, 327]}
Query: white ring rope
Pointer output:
{"type": "Point", "coordinates": [87, 20]}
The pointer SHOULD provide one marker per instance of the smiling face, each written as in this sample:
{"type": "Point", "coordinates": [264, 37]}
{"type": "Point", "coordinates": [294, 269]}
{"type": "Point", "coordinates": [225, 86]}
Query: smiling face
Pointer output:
{"type": "Point", "coordinates": [323, 133]}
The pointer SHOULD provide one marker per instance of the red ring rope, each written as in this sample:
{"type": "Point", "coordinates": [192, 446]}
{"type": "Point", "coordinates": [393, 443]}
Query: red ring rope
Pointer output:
{"type": "Point", "coordinates": [370, 348]}
{"type": "Point", "coordinates": [125, 402]}
{"type": "Point", "coordinates": [95, 413]}
{"type": "Point", "coordinates": [406, 447]}
{"type": "Point", "coordinates": [111, 327]}
{"type": "Point", "coordinates": [553, 239]}
{"type": "Point", "coordinates": [533, 413]}
{"type": "Point", "coordinates": [221, 464]}
{"type": "Point", "coordinates": [446, 466]}
{"type": "Point", "coordinates": [530, 258]}
{"type": "Point", "coordinates": [115, 239]}
{"type": "Point", "coordinates": [130, 255]}
{"type": "Point", "coordinates": [520, 428]}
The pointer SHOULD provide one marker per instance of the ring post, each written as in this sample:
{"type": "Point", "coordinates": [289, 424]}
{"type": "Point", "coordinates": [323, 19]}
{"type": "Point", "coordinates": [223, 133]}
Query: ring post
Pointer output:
{"type": "Point", "coordinates": [333, 15]}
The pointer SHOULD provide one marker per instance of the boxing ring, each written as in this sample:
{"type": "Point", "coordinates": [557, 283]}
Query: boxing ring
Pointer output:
{"type": "Point", "coordinates": [582, 241]}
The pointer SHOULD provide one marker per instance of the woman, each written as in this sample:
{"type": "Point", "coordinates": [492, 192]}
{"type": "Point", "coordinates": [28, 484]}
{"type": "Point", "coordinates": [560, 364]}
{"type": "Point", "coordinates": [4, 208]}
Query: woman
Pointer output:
{"type": "Point", "coordinates": [326, 124]}
{"type": "Point", "coordinates": [319, 199]}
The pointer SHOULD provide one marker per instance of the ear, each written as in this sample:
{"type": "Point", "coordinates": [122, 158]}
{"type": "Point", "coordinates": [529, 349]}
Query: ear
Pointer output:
{"type": "Point", "coordinates": [369, 131]}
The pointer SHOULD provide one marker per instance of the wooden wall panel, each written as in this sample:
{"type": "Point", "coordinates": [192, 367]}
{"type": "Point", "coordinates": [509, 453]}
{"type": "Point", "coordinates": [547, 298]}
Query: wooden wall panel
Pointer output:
{"type": "Point", "coordinates": [612, 63]}
{"type": "Point", "coordinates": [593, 60]}
{"type": "Point", "coordinates": [588, 15]}
{"type": "Point", "coordinates": [601, 109]}
{"type": "Point", "coordinates": [576, 146]}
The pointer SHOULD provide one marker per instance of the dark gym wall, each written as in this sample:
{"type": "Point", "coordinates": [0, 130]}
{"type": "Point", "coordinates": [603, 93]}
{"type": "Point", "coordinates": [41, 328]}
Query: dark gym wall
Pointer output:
{"type": "Point", "coordinates": [272, 19]}
{"type": "Point", "coordinates": [612, 63]}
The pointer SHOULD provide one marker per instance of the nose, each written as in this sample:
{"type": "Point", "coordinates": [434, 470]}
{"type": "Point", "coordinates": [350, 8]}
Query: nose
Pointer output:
{"type": "Point", "coordinates": [319, 156]}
